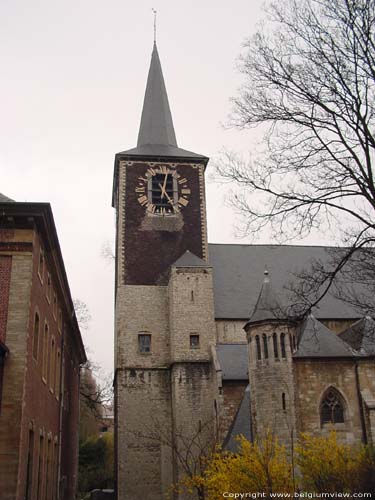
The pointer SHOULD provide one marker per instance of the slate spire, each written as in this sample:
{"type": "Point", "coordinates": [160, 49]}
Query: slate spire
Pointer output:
{"type": "Point", "coordinates": [267, 306]}
{"type": "Point", "coordinates": [156, 122]}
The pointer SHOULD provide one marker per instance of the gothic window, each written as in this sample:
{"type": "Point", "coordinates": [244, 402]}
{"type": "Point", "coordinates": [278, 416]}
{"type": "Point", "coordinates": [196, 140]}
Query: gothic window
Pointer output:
{"type": "Point", "coordinates": [275, 349]}
{"type": "Point", "coordinates": [282, 343]}
{"type": "Point", "coordinates": [332, 408]}
{"type": "Point", "coordinates": [144, 342]}
{"type": "Point", "coordinates": [265, 346]}
{"type": "Point", "coordinates": [257, 341]}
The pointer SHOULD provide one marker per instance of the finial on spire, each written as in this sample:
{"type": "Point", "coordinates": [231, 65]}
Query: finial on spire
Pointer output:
{"type": "Point", "coordinates": [155, 12]}
{"type": "Point", "coordinates": [266, 275]}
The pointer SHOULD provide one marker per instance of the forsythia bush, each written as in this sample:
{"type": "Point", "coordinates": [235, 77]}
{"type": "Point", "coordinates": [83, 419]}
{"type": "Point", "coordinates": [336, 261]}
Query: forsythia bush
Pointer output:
{"type": "Point", "coordinates": [322, 465]}
{"type": "Point", "coordinates": [259, 466]}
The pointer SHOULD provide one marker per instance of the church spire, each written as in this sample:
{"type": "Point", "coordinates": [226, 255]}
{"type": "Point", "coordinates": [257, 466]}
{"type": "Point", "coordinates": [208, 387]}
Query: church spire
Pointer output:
{"type": "Point", "coordinates": [156, 122]}
{"type": "Point", "coordinates": [267, 307]}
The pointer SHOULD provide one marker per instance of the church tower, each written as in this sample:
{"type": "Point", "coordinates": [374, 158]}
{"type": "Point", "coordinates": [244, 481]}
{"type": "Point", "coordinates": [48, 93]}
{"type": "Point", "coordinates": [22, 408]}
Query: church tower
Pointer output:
{"type": "Point", "coordinates": [271, 341]}
{"type": "Point", "coordinates": [164, 313]}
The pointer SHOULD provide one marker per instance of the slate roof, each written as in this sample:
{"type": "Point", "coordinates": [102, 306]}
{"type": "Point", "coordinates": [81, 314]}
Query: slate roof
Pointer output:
{"type": "Point", "coordinates": [233, 361]}
{"type": "Point", "coordinates": [268, 306]}
{"type": "Point", "coordinates": [156, 135]}
{"type": "Point", "coordinates": [238, 275]}
{"type": "Point", "coordinates": [189, 259]}
{"type": "Point", "coordinates": [361, 336]}
{"type": "Point", "coordinates": [5, 199]}
{"type": "Point", "coordinates": [241, 424]}
{"type": "Point", "coordinates": [316, 341]}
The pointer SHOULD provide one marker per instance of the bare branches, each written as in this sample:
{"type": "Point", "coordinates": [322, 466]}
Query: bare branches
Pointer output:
{"type": "Point", "coordinates": [310, 79]}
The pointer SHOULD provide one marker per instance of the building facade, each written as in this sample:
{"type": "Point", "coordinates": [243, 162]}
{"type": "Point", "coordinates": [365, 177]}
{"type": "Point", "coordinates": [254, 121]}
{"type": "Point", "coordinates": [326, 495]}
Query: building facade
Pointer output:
{"type": "Point", "coordinates": [41, 352]}
{"type": "Point", "coordinates": [190, 366]}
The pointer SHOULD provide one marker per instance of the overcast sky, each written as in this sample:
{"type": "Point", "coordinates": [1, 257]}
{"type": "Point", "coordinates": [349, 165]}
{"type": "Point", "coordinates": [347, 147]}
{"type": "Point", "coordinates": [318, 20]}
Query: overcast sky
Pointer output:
{"type": "Point", "coordinates": [73, 76]}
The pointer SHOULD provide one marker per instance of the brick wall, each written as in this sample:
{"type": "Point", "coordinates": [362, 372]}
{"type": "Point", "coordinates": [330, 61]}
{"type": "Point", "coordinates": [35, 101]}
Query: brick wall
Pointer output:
{"type": "Point", "coordinates": [233, 392]}
{"type": "Point", "coordinates": [5, 273]}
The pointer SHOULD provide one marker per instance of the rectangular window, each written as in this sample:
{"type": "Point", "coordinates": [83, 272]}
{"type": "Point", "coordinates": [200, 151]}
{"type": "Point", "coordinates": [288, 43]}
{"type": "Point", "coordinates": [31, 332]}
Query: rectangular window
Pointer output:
{"type": "Point", "coordinates": [49, 287]}
{"type": "Point", "coordinates": [41, 265]}
{"type": "Point", "coordinates": [29, 471]}
{"type": "Point", "coordinates": [144, 342]}
{"type": "Point", "coordinates": [40, 468]}
{"type": "Point", "coordinates": [59, 320]}
{"type": "Point", "coordinates": [36, 336]}
{"type": "Point", "coordinates": [52, 369]}
{"type": "Point", "coordinates": [194, 341]}
{"type": "Point", "coordinates": [48, 469]}
{"type": "Point", "coordinates": [45, 352]}
{"type": "Point", "coordinates": [54, 305]}
{"type": "Point", "coordinates": [57, 374]}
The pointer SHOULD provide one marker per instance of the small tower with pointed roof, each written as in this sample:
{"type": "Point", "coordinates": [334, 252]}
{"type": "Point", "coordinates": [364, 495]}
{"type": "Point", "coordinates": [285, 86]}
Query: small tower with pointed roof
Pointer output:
{"type": "Point", "coordinates": [164, 311]}
{"type": "Point", "coordinates": [271, 338]}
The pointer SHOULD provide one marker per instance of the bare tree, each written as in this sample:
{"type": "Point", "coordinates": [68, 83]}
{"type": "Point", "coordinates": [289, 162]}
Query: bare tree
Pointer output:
{"type": "Point", "coordinates": [191, 449]}
{"type": "Point", "coordinates": [310, 81]}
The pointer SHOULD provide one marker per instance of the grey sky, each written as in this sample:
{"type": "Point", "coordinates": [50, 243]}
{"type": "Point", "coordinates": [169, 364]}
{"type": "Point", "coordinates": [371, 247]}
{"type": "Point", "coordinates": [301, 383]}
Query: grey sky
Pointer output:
{"type": "Point", "coordinates": [73, 75]}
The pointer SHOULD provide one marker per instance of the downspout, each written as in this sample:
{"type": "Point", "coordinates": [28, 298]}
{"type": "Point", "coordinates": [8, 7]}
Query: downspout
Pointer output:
{"type": "Point", "coordinates": [61, 412]}
{"type": "Point", "coordinates": [360, 405]}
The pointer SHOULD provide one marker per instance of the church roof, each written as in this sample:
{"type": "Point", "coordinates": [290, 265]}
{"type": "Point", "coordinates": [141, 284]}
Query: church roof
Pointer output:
{"type": "Point", "coordinates": [233, 360]}
{"type": "Point", "coordinates": [267, 307]}
{"type": "Point", "coordinates": [316, 341]}
{"type": "Point", "coordinates": [156, 136]}
{"type": "Point", "coordinates": [241, 424]}
{"type": "Point", "coordinates": [188, 259]}
{"type": "Point", "coordinates": [5, 199]}
{"type": "Point", "coordinates": [361, 336]}
{"type": "Point", "coordinates": [237, 272]}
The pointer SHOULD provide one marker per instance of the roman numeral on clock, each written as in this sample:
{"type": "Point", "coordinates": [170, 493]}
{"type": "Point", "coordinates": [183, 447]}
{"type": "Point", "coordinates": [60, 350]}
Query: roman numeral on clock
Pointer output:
{"type": "Point", "coordinates": [183, 201]}
{"type": "Point", "coordinates": [143, 200]}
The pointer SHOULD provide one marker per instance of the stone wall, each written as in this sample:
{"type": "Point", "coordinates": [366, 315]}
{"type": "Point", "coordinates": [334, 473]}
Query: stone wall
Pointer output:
{"type": "Point", "coordinates": [191, 312]}
{"type": "Point", "coordinates": [144, 433]}
{"type": "Point", "coordinates": [230, 331]}
{"type": "Point", "coordinates": [313, 378]}
{"type": "Point", "coordinates": [142, 309]}
{"type": "Point", "coordinates": [271, 383]}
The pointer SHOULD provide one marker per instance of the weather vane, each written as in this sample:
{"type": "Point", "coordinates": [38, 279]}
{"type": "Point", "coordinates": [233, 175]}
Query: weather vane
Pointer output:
{"type": "Point", "coordinates": [155, 12]}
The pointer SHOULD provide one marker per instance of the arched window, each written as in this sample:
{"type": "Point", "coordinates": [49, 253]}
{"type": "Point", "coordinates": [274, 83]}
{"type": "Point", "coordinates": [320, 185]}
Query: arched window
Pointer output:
{"type": "Point", "coordinates": [257, 340]}
{"type": "Point", "coordinates": [282, 343]}
{"type": "Point", "coordinates": [265, 346]}
{"type": "Point", "coordinates": [332, 407]}
{"type": "Point", "coordinates": [275, 349]}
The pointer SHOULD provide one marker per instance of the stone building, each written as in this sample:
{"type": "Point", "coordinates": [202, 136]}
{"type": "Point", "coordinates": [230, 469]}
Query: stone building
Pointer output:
{"type": "Point", "coordinates": [40, 355]}
{"type": "Point", "coordinates": [200, 353]}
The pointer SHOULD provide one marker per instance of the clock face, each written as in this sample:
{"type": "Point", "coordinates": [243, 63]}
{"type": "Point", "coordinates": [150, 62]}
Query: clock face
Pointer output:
{"type": "Point", "coordinates": [162, 191]}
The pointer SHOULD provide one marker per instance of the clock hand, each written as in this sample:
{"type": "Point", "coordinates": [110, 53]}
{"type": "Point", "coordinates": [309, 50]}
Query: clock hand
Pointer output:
{"type": "Point", "coordinates": [165, 183]}
{"type": "Point", "coordinates": [164, 192]}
